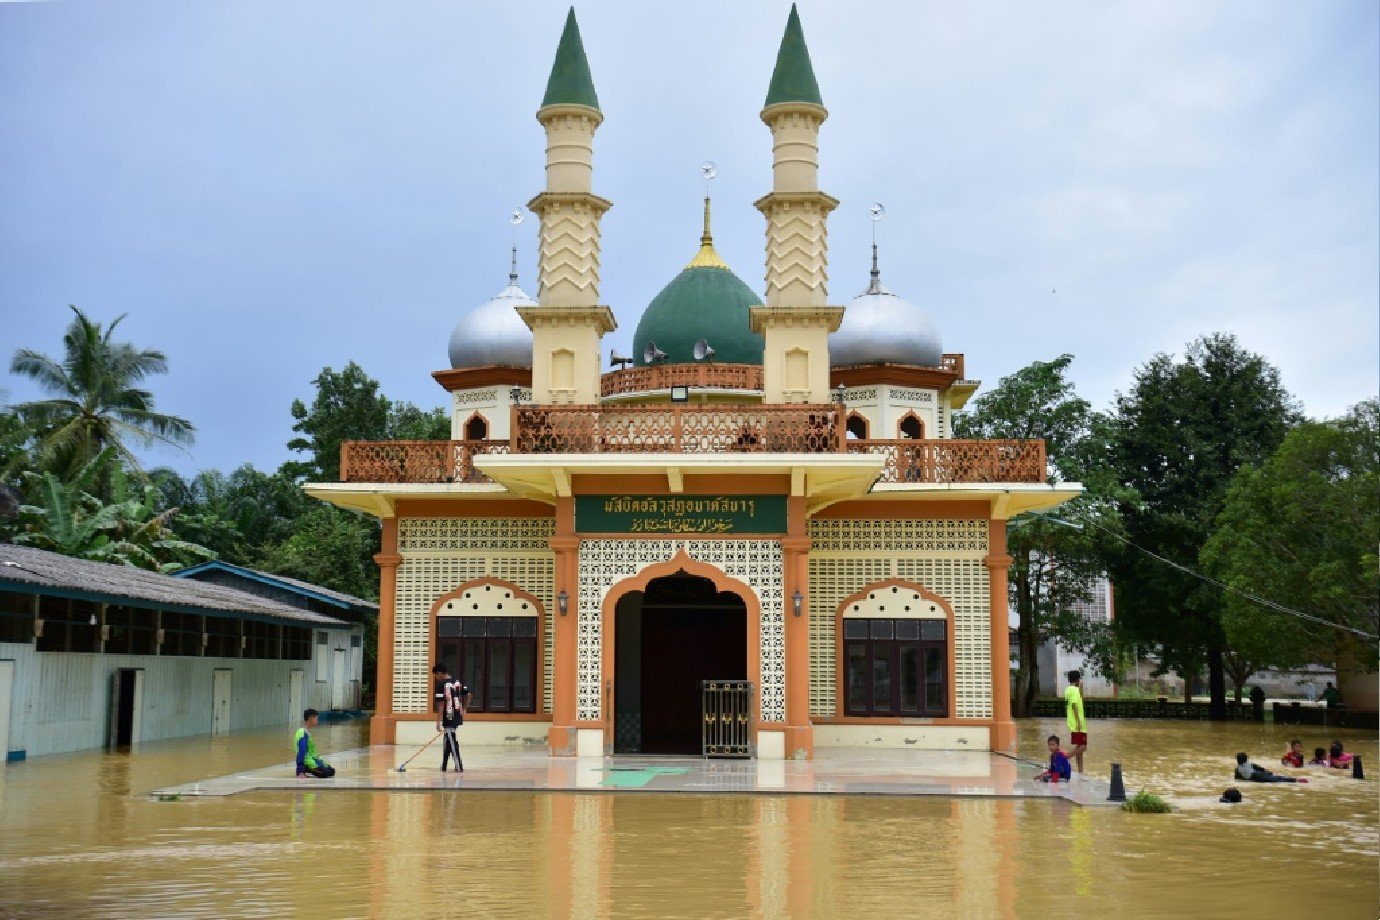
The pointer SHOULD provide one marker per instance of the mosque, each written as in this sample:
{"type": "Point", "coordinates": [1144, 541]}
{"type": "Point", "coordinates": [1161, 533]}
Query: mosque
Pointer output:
{"type": "Point", "coordinates": [753, 537]}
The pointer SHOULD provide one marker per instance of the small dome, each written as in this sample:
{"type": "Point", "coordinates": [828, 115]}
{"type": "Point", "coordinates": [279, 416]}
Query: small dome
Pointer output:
{"type": "Point", "coordinates": [493, 333]}
{"type": "Point", "coordinates": [880, 328]}
{"type": "Point", "coordinates": [705, 301]}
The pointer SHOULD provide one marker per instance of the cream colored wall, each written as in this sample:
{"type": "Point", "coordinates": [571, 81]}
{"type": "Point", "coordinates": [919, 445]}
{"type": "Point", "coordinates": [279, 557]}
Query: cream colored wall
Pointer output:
{"type": "Point", "coordinates": [884, 406]}
{"type": "Point", "coordinates": [786, 334]}
{"type": "Point", "coordinates": [912, 737]}
{"type": "Point", "coordinates": [494, 403]}
{"type": "Point", "coordinates": [568, 316]}
{"type": "Point", "coordinates": [944, 556]}
{"type": "Point", "coordinates": [439, 555]}
{"type": "Point", "coordinates": [555, 333]}
{"type": "Point", "coordinates": [514, 732]}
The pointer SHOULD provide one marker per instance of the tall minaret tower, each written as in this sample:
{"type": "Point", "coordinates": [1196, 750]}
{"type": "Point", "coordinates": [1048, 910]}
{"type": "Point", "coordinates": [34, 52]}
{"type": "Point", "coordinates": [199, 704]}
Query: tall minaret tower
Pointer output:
{"type": "Point", "coordinates": [796, 319]}
{"type": "Point", "coordinates": [568, 322]}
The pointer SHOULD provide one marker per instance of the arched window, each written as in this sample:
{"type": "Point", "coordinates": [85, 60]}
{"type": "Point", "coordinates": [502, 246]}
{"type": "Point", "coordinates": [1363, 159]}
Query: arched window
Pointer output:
{"type": "Point", "coordinates": [897, 640]}
{"type": "Point", "coordinates": [477, 428]}
{"type": "Point", "coordinates": [486, 633]}
{"type": "Point", "coordinates": [911, 427]}
{"type": "Point", "coordinates": [857, 426]}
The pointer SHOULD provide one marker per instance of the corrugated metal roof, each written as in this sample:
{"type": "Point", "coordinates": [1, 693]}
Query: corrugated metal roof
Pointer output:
{"type": "Point", "coordinates": [24, 567]}
{"type": "Point", "coordinates": [288, 583]}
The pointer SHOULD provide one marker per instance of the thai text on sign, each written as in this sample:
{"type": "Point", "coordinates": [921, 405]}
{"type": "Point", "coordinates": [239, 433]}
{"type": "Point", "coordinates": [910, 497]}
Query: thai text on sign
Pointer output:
{"type": "Point", "coordinates": [680, 514]}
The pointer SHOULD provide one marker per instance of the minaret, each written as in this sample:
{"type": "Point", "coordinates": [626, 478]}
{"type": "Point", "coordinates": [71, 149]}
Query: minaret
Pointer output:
{"type": "Point", "coordinates": [796, 319]}
{"type": "Point", "coordinates": [568, 322]}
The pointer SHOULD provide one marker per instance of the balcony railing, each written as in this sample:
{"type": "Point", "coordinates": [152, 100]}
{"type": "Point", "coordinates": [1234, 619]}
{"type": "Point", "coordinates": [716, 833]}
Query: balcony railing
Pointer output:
{"type": "Point", "coordinates": [696, 430]}
{"type": "Point", "coordinates": [950, 460]}
{"type": "Point", "coordinates": [802, 428]}
{"type": "Point", "coordinates": [657, 377]}
{"type": "Point", "coordinates": [415, 461]}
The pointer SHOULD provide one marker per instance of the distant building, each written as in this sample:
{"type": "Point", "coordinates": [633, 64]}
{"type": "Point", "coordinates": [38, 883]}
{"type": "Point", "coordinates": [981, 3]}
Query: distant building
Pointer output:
{"type": "Point", "coordinates": [93, 654]}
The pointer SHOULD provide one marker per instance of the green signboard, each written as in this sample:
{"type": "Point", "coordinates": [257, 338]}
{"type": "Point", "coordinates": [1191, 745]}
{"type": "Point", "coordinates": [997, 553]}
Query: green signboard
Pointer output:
{"type": "Point", "coordinates": [680, 514]}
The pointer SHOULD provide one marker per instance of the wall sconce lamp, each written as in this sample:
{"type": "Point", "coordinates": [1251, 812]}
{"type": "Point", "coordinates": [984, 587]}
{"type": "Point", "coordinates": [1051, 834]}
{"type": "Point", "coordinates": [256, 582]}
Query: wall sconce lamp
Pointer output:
{"type": "Point", "coordinates": [563, 602]}
{"type": "Point", "coordinates": [797, 602]}
{"type": "Point", "coordinates": [516, 394]}
{"type": "Point", "coordinates": [840, 394]}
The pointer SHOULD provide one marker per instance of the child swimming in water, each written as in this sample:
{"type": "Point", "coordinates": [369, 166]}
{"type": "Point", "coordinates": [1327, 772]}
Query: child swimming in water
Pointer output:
{"type": "Point", "coordinates": [1294, 756]}
{"type": "Point", "coordinates": [1255, 773]}
{"type": "Point", "coordinates": [1338, 758]}
{"type": "Point", "coordinates": [1319, 758]}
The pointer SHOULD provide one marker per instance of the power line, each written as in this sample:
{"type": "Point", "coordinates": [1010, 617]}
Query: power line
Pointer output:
{"type": "Point", "coordinates": [1264, 602]}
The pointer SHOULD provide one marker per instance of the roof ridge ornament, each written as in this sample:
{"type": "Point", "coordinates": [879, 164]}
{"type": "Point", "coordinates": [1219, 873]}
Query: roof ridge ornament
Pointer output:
{"type": "Point", "coordinates": [877, 213]}
{"type": "Point", "coordinates": [515, 219]}
{"type": "Point", "coordinates": [707, 257]}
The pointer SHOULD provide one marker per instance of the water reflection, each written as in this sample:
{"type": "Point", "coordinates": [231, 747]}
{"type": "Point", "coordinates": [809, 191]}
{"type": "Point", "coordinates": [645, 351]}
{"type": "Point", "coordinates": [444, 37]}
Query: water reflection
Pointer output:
{"type": "Point", "coordinates": [76, 838]}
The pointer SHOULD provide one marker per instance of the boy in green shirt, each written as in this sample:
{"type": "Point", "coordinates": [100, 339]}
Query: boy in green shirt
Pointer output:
{"type": "Point", "coordinates": [308, 763]}
{"type": "Point", "coordinates": [1073, 712]}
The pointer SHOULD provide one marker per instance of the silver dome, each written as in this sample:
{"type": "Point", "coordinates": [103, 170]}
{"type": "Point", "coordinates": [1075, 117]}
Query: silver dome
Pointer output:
{"type": "Point", "coordinates": [880, 328]}
{"type": "Point", "coordinates": [493, 333]}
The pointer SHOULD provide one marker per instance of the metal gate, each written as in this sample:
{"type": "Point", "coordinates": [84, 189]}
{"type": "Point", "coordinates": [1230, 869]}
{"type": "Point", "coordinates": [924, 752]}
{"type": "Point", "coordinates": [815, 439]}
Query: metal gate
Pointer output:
{"type": "Point", "coordinates": [727, 717]}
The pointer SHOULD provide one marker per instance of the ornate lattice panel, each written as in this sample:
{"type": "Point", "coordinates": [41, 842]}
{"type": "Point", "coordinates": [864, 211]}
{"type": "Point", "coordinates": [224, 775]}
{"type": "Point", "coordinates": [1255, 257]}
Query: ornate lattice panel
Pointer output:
{"type": "Point", "coordinates": [439, 554]}
{"type": "Point", "coordinates": [943, 555]}
{"type": "Point", "coordinates": [758, 563]}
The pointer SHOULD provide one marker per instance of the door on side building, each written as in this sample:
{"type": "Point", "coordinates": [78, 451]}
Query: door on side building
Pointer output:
{"type": "Point", "coordinates": [6, 694]}
{"type": "Point", "coordinates": [296, 705]}
{"type": "Point", "coordinates": [220, 700]}
{"type": "Point", "coordinates": [338, 682]}
{"type": "Point", "coordinates": [126, 706]}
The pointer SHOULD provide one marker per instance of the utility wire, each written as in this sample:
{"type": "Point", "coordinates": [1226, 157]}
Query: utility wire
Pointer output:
{"type": "Point", "coordinates": [1264, 602]}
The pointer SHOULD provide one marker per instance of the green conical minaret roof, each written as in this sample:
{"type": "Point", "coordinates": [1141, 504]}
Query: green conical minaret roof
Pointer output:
{"type": "Point", "coordinates": [793, 80]}
{"type": "Point", "coordinates": [570, 82]}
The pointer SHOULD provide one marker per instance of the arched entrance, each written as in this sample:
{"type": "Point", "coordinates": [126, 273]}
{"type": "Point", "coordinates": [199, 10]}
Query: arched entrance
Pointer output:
{"type": "Point", "coordinates": [678, 631]}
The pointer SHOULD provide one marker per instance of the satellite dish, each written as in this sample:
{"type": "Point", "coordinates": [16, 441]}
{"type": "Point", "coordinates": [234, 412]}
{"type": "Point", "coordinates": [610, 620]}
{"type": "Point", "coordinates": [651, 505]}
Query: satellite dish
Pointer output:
{"type": "Point", "coordinates": [651, 354]}
{"type": "Point", "coordinates": [703, 350]}
{"type": "Point", "coordinates": [622, 361]}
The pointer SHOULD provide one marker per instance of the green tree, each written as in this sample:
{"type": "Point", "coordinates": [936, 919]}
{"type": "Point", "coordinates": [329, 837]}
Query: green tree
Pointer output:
{"type": "Point", "coordinates": [130, 530]}
{"type": "Point", "coordinates": [1179, 438]}
{"type": "Point", "coordinates": [96, 401]}
{"type": "Point", "coordinates": [333, 548]}
{"type": "Point", "coordinates": [349, 407]}
{"type": "Point", "coordinates": [1301, 529]}
{"type": "Point", "coordinates": [1054, 565]}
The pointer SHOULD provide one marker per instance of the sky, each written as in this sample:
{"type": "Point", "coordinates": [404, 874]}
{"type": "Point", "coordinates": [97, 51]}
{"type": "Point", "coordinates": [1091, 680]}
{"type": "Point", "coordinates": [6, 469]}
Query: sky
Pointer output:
{"type": "Point", "coordinates": [270, 188]}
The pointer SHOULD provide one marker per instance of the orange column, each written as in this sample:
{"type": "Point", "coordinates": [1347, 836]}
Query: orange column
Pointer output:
{"type": "Point", "coordinates": [381, 726]}
{"type": "Point", "coordinates": [560, 738]}
{"type": "Point", "coordinates": [800, 743]}
{"type": "Point", "coordinates": [998, 562]}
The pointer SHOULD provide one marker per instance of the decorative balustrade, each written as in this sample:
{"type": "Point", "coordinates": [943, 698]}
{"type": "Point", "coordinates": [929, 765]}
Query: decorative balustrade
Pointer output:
{"type": "Point", "coordinates": [952, 460]}
{"type": "Point", "coordinates": [656, 377]}
{"type": "Point", "coordinates": [415, 461]}
{"type": "Point", "coordinates": [952, 363]}
{"type": "Point", "coordinates": [685, 428]}
{"type": "Point", "coordinates": [679, 428]}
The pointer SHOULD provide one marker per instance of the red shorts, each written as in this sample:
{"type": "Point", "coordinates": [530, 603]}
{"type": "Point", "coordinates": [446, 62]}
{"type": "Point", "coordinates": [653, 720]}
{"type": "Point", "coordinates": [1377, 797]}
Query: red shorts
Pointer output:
{"type": "Point", "coordinates": [1079, 739]}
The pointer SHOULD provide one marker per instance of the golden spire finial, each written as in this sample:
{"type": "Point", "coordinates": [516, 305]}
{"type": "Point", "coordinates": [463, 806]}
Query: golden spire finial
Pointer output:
{"type": "Point", "coordinates": [707, 257]}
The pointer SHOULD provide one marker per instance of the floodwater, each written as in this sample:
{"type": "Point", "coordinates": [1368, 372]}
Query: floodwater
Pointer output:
{"type": "Point", "coordinates": [77, 839]}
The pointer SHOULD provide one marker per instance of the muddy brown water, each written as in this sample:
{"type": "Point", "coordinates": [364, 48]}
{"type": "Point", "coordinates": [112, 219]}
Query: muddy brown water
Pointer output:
{"type": "Point", "coordinates": [78, 838]}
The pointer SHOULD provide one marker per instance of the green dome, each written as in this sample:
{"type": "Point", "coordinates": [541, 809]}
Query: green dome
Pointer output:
{"type": "Point", "coordinates": [705, 301]}
{"type": "Point", "coordinates": [701, 303]}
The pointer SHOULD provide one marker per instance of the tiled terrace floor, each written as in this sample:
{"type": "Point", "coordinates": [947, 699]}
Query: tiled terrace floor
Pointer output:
{"type": "Point", "coordinates": [834, 771]}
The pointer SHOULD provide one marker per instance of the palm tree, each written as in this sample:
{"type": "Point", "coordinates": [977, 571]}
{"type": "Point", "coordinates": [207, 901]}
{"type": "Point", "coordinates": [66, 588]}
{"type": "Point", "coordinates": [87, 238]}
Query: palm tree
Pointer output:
{"type": "Point", "coordinates": [96, 403]}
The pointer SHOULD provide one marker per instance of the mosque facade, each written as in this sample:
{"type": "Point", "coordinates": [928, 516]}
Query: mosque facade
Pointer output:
{"type": "Point", "coordinates": [755, 536]}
